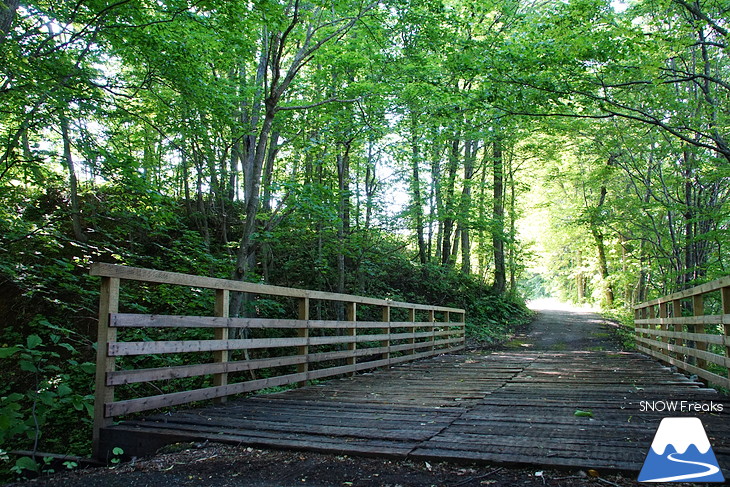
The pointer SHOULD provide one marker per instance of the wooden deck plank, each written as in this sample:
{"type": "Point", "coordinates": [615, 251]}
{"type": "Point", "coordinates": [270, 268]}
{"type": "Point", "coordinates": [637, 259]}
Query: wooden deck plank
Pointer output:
{"type": "Point", "coordinates": [505, 407]}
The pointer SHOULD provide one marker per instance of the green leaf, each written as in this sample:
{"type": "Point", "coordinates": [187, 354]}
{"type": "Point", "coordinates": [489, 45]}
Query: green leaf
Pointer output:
{"type": "Point", "coordinates": [48, 398]}
{"type": "Point", "coordinates": [88, 367]}
{"type": "Point", "coordinates": [28, 366]}
{"type": "Point", "coordinates": [583, 414]}
{"type": "Point", "coordinates": [8, 352]}
{"type": "Point", "coordinates": [33, 341]}
{"type": "Point", "coordinates": [25, 463]}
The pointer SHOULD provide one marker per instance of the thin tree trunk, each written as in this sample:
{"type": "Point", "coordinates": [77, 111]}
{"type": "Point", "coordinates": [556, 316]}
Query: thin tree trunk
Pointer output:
{"type": "Point", "coordinates": [512, 258]}
{"type": "Point", "coordinates": [73, 182]}
{"type": "Point", "coordinates": [266, 204]}
{"type": "Point", "coordinates": [448, 218]}
{"type": "Point", "coordinates": [371, 184]}
{"type": "Point", "coordinates": [470, 150]}
{"type": "Point", "coordinates": [598, 237]}
{"type": "Point", "coordinates": [343, 228]}
{"type": "Point", "coordinates": [500, 278]}
{"type": "Point", "coordinates": [437, 208]}
{"type": "Point", "coordinates": [417, 200]}
{"type": "Point", "coordinates": [690, 257]}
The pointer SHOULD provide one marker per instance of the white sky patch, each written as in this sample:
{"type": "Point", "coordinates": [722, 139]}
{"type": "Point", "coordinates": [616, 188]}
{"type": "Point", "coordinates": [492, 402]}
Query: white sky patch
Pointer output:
{"type": "Point", "coordinates": [619, 6]}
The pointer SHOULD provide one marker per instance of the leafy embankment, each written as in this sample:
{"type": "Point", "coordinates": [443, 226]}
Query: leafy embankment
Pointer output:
{"type": "Point", "coordinates": [48, 302]}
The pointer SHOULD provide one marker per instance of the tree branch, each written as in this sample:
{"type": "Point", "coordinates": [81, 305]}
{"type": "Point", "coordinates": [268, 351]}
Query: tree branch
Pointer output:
{"type": "Point", "coordinates": [695, 10]}
{"type": "Point", "coordinates": [317, 104]}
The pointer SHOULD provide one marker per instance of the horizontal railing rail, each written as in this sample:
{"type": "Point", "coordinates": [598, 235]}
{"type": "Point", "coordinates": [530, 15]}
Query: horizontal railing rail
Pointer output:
{"type": "Point", "coordinates": [699, 343]}
{"type": "Point", "coordinates": [321, 348]}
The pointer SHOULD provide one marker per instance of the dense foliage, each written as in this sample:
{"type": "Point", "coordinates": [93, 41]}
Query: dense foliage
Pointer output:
{"type": "Point", "coordinates": [467, 153]}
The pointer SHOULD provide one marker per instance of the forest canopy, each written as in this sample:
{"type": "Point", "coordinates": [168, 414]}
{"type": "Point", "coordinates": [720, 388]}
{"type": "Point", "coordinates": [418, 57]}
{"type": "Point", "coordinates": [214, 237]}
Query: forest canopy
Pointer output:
{"type": "Point", "coordinates": [444, 124]}
{"type": "Point", "coordinates": [461, 152]}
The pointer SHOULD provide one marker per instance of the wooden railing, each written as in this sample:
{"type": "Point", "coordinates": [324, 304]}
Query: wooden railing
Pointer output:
{"type": "Point", "coordinates": [316, 349]}
{"type": "Point", "coordinates": [676, 330]}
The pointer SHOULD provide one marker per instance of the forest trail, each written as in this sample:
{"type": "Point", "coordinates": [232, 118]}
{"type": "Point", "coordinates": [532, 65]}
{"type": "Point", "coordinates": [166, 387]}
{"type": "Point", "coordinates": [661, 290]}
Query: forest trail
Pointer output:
{"type": "Point", "coordinates": [563, 327]}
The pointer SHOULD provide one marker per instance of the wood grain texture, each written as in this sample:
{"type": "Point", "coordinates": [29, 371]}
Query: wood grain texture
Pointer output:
{"type": "Point", "coordinates": [688, 350]}
{"type": "Point", "coordinates": [175, 278]}
{"type": "Point", "coordinates": [503, 407]}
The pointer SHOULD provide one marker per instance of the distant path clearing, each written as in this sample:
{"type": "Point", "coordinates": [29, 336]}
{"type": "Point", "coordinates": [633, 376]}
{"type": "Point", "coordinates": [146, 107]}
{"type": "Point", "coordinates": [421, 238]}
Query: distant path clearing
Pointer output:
{"type": "Point", "coordinates": [560, 327]}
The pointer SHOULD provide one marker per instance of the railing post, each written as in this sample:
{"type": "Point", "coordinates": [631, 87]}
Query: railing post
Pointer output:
{"type": "Point", "coordinates": [222, 302]}
{"type": "Point", "coordinates": [108, 304]}
{"type": "Point", "coordinates": [664, 314]}
{"type": "Point", "coordinates": [653, 315]}
{"type": "Point", "coordinates": [386, 343]}
{"type": "Point", "coordinates": [698, 309]}
{"type": "Point", "coordinates": [412, 340]}
{"type": "Point", "coordinates": [447, 320]}
{"type": "Point", "coordinates": [351, 311]}
{"type": "Point", "coordinates": [303, 332]}
{"type": "Point", "coordinates": [725, 293]}
{"type": "Point", "coordinates": [431, 319]}
{"type": "Point", "coordinates": [463, 329]}
{"type": "Point", "coordinates": [678, 327]}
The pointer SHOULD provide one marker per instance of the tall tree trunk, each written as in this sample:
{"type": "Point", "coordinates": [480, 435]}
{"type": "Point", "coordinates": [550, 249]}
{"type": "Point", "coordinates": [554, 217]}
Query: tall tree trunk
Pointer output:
{"type": "Point", "coordinates": [184, 168]}
{"type": "Point", "coordinates": [343, 228]}
{"type": "Point", "coordinates": [603, 266]}
{"type": "Point", "coordinates": [690, 257]}
{"type": "Point", "coordinates": [371, 185]}
{"type": "Point", "coordinates": [416, 198]}
{"type": "Point", "coordinates": [269, 170]}
{"type": "Point", "coordinates": [73, 182]}
{"type": "Point", "coordinates": [247, 249]}
{"type": "Point", "coordinates": [273, 80]}
{"type": "Point", "coordinates": [437, 206]}
{"type": "Point", "coordinates": [598, 237]}
{"type": "Point", "coordinates": [511, 257]}
{"type": "Point", "coordinates": [448, 203]}
{"type": "Point", "coordinates": [266, 203]}
{"type": "Point", "coordinates": [483, 209]}
{"type": "Point", "coordinates": [7, 16]}
{"type": "Point", "coordinates": [500, 277]}
{"type": "Point", "coordinates": [470, 151]}
{"type": "Point", "coordinates": [201, 211]}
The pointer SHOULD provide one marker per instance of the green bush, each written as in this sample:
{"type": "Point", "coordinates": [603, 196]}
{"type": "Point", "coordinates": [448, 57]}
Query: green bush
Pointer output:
{"type": "Point", "coordinates": [55, 391]}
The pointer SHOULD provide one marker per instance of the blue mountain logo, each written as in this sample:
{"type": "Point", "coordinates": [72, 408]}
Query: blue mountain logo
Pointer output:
{"type": "Point", "coordinates": [681, 452]}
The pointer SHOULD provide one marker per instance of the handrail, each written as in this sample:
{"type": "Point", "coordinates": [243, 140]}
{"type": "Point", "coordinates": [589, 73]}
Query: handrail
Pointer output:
{"type": "Point", "coordinates": [317, 348]}
{"type": "Point", "coordinates": [688, 345]}
{"type": "Point", "coordinates": [165, 277]}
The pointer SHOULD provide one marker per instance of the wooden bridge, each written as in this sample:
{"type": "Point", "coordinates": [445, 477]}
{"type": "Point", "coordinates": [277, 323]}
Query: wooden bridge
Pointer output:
{"type": "Point", "coordinates": [417, 395]}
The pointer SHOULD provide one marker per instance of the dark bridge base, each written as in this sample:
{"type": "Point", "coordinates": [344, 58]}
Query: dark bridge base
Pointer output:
{"type": "Point", "coordinates": [499, 408]}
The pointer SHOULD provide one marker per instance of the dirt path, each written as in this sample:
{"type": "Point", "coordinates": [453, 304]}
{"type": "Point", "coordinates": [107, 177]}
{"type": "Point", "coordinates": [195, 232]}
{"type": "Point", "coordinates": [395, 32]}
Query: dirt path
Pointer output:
{"type": "Point", "coordinates": [218, 465]}
{"type": "Point", "coordinates": [561, 327]}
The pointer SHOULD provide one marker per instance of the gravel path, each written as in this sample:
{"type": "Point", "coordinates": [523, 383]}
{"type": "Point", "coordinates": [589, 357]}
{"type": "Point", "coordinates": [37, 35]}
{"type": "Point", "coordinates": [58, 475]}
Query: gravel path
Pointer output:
{"type": "Point", "coordinates": [561, 327]}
